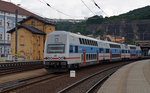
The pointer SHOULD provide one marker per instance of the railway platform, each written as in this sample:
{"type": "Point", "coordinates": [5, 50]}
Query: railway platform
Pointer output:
{"type": "Point", "coordinates": [132, 78]}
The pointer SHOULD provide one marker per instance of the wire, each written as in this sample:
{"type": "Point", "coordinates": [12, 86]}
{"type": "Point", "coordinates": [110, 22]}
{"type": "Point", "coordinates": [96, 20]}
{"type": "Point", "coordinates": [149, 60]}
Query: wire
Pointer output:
{"type": "Point", "coordinates": [99, 7]}
{"type": "Point", "coordinates": [87, 7]}
{"type": "Point", "coordinates": [55, 9]}
{"type": "Point", "coordinates": [73, 17]}
{"type": "Point", "coordinates": [41, 1]}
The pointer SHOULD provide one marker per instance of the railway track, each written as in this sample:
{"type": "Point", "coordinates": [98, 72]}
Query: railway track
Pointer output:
{"type": "Point", "coordinates": [7, 68]}
{"type": "Point", "coordinates": [15, 85]}
{"type": "Point", "coordinates": [81, 84]}
{"type": "Point", "coordinates": [88, 84]}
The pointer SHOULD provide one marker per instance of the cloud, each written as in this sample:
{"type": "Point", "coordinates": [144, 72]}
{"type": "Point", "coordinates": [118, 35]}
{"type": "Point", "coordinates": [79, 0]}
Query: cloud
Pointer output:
{"type": "Point", "coordinates": [76, 8]}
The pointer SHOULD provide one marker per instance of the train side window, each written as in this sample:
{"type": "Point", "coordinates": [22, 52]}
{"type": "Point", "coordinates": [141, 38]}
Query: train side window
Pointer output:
{"type": "Point", "coordinates": [86, 41]}
{"type": "Point", "coordinates": [71, 49]}
{"type": "Point", "coordinates": [90, 42]}
{"type": "Point", "coordinates": [76, 49]}
{"type": "Point", "coordinates": [107, 50]}
{"type": "Point", "coordinates": [86, 56]}
{"type": "Point", "coordinates": [96, 44]}
{"type": "Point", "coordinates": [94, 56]}
{"type": "Point", "coordinates": [83, 41]}
{"type": "Point", "coordinates": [101, 50]}
{"type": "Point", "coordinates": [89, 56]}
{"type": "Point", "coordinates": [93, 43]}
{"type": "Point", "coordinates": [80, 40]}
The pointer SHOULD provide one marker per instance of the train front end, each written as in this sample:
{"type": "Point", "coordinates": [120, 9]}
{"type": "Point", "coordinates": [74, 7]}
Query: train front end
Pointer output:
{"type": "Point", "coordinates": [55, 52]}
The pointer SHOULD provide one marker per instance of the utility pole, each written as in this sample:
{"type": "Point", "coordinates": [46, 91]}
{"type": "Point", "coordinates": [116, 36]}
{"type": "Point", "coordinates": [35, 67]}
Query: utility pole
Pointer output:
{"type": "Point", "coordinates": [16, 34]}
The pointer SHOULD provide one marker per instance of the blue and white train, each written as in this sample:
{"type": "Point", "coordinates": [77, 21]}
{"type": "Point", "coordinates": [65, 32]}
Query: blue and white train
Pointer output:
{"type": "Point", "coordinates": [66, 50]}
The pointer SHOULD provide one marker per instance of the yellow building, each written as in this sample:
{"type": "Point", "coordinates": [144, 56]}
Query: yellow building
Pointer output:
{"type": "Point", "coordinates": [115, 39]}
{"type": "Point", "coordinates": [31, 37]}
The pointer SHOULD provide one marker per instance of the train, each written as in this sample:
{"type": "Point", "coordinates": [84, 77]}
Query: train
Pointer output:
{"type": "Point", "coordinates": [65, 50]}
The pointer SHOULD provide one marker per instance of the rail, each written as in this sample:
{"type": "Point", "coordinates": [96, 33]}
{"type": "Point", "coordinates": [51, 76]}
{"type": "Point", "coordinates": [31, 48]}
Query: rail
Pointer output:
{"type": "Point", "coordinates": [95, 78]}
{"type": "Point", "coordinates": [6, 68]}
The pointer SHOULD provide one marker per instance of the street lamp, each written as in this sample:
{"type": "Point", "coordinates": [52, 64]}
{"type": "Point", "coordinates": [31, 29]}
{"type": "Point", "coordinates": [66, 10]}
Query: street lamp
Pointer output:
{"type": "Point", "coordinates": [16, 34]}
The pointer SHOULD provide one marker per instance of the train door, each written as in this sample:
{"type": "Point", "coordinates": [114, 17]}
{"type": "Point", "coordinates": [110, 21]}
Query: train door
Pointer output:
{"type": "Point", "coordinates": [120, 55]}
{"type": "Point", "coordinates": [130, 55]}
{"type": "Point", "coordinates": [97, 57]}
{"type": "Point", "coordinates": [110, 56]}
{"type": "Point", "coordinates": [84, 57]}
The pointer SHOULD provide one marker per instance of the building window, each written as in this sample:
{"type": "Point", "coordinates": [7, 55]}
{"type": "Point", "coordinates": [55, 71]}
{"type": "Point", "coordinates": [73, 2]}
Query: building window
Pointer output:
{"type": "Point", "coordinates": [8, 23]}
{"type": "Point", "coordinates": [0, 49]}
{"type": "Point", "coordinates": [1, 37]}
{"type": "Point", "coordinates": [39, 55]}
{"type": "Point", "coordinates": [33, 23]}
{"type": "Point", "coordinates": [38, 41]}
{"type": "Point", "coordinates": [1, 22]}
{"type": "Point", "coordinates": [8, 51]}
{"type": "Point", "coordinates": [8, 37]}
{"type": "Point", "coordinates": [21, 40]}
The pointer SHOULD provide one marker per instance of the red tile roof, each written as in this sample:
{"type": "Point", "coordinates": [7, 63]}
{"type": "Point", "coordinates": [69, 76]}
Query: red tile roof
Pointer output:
{"type": "Point", "coordinates": [10, 7]}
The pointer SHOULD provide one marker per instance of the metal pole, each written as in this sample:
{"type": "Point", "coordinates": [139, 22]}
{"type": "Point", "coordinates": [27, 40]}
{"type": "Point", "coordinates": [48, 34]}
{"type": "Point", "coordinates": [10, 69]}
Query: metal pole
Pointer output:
{"type": "Point", "coordinates": [16, 28]}
{"type": "Point", "coordinates": [5, 25]}
{"type": "Point", "coordinates": [143, 36]}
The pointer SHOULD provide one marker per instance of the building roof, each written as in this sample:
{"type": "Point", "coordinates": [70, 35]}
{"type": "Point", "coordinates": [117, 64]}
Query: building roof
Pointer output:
{"type": "Point", "coordinates": [10, 7]}
{"type": "Point", "coordinates": [37, 18]}
{"type": "Point", "coordinates": [31, 29]}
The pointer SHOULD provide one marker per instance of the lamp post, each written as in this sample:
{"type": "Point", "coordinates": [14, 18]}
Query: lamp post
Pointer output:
{"type": "Point", "coordinates": [16, 34]}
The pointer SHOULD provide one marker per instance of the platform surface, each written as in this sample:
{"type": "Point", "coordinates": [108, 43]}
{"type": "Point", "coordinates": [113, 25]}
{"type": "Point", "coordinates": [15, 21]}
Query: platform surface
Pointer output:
{"type": "Point", "coordinates": [132, 78]}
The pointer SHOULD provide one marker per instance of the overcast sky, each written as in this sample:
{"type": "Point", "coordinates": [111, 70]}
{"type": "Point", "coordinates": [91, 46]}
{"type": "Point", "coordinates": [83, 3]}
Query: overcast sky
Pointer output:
{"type": "Point", "coordinates": [77, 10]}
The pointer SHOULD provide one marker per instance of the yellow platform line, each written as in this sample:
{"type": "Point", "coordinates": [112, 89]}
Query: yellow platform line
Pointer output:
{"type": "Point", "coordinates": [120, 87]}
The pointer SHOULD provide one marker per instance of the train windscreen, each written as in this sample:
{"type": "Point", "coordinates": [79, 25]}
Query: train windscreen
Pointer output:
{"type": "Point", "coordinates": [55, 48]}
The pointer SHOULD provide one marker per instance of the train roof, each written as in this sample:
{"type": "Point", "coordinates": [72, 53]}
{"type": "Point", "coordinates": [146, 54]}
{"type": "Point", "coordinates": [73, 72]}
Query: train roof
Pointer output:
{"type": "Point", "coordinates": [82, 36]}
{"type": "Point", "coordinates": [86, 37]}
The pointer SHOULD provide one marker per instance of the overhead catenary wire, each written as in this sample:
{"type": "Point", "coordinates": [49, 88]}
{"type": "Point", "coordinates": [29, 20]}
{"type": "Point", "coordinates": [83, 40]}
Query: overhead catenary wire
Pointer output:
{"type": "Point", "coordinates": [88, 7]}
{"type": "Point", "coordinates": [55, 9]}
{"type": "Point", "coordinates": [99, 7]}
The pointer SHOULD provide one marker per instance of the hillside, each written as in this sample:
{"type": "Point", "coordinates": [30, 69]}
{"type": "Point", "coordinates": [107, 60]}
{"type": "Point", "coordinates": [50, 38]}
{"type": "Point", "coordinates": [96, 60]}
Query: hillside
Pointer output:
{"type": "Point", "coordinates": [133, 25]}
{"type": "Point", "coordinates": [137, 14]}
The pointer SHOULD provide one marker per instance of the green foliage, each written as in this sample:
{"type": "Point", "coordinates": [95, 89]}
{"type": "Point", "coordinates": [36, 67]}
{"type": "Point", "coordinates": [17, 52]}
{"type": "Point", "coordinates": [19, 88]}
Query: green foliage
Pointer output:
{"type": "Point", "coordinates": [83, 27]}
{"type": "Point", "coordinates": [97, 33]}
{"type": "Point", "coordinates": [95, 20]}
{"type": "Point", "coordinates": [137, 14]}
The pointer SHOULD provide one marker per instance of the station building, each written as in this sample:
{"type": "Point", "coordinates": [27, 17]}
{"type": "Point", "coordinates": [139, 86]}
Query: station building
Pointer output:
{"type": "Point", "coordinates": [32, 33]}
{"type": "Point", "coordinates": [7, 22]}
